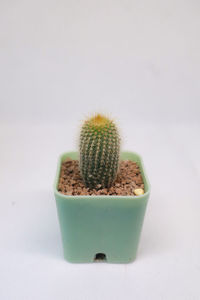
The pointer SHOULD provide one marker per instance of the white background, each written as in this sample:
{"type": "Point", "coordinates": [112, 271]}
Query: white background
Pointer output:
{"type": "Point", "coordinates": [138, 61]}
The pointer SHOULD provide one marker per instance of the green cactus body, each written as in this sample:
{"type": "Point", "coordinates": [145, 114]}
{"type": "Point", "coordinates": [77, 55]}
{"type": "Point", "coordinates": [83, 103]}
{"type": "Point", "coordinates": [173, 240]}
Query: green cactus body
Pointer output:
{"type": "Point", "coordinates": [99, 152]}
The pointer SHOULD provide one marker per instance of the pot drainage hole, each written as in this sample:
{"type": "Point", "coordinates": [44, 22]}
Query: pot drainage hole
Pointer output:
{"type": "Point", "coordinates": [100, 257]}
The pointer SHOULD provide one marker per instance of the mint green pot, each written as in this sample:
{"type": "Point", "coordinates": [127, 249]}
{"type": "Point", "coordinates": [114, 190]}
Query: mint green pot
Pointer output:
{"type": "Point", "coordinates": [108, 227]}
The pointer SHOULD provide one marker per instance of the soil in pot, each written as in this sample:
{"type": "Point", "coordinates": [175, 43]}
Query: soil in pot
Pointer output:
{"type": "Point", "coordinates": [128, 180]}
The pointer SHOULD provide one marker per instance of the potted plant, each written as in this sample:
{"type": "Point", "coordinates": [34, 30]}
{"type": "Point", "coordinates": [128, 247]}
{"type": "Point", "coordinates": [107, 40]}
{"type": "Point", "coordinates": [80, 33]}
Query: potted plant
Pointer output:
{"type": "Point", "coordinates": [101, 196]}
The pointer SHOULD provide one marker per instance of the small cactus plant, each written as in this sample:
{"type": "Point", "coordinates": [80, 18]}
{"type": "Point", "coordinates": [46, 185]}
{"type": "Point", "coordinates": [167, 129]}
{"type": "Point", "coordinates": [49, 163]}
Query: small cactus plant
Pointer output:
{"type": "Point", "coordinates": [99, 152]}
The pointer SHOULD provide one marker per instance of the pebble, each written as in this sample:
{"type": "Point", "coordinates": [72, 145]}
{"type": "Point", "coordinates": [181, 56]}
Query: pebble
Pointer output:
{"type": "Point", "coordinates": [138, 192]}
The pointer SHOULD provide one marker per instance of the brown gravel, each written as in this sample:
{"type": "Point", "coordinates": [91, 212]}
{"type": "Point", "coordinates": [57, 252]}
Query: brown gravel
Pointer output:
{"type": "Point", "coordinates": [128, 179]}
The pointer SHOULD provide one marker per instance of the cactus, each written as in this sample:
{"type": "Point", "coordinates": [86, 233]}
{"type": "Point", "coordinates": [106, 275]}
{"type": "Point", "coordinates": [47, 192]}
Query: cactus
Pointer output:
{"type": "Point", "coordinates": [99, 152]}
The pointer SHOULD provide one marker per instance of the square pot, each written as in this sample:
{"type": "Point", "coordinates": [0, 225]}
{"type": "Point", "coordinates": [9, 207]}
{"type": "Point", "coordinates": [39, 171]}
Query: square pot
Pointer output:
{"type": "Point", "coordinates": [101, 227]}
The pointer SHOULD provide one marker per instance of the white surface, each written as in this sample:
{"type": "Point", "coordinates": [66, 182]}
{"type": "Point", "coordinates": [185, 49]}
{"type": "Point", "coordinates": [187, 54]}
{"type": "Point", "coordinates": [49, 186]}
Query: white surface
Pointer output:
{"type": "Point", "coordinates": [138, 61]}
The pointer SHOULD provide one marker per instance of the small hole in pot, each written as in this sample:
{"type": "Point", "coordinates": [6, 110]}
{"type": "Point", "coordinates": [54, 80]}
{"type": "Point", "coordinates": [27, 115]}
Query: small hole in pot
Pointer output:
{"type": "Point", "coordinates": [101, 257]}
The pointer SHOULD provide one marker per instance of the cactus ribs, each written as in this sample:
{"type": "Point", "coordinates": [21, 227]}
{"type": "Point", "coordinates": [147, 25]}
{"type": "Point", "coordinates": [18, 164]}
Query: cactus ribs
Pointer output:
{"type": "Point", "coordinates": [99, 150]}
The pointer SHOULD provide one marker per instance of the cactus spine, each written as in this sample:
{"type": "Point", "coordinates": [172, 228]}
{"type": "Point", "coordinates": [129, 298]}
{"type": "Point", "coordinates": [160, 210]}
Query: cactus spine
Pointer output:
{"type": "Point", "coordinates": [99, 152]}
